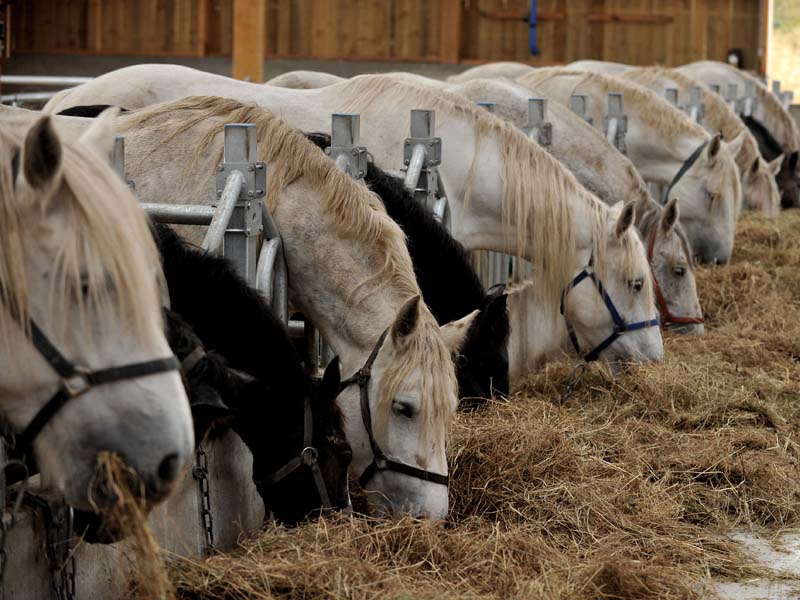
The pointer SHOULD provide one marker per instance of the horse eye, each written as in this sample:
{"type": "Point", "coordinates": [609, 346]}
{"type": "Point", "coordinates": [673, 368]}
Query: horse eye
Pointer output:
{"type": "Point", "coordinates": [404, 409]}
{"type": "Point", "coordinates": [636, 284]}
{"type": "Point", "coordinates": [679, 271]}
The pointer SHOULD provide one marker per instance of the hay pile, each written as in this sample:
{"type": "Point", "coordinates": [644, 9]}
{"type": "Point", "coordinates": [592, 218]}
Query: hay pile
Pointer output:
{"type": "Point", "coordinates": [626, 491]}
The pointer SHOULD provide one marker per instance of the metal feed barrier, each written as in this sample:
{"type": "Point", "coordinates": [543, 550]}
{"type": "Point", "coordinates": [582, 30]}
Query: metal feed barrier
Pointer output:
{"type": "Point", "coordinates": [616, 122]}
{"type": "Point", "coordinates": [217, 500]}
{"type": "Point", "coordinates": [422, 153]}
{"type": "Point", "coordinates": [25, 98]}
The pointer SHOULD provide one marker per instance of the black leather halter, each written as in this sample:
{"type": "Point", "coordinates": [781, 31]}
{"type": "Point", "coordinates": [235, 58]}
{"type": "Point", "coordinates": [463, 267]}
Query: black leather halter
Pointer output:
{"type": "Point", "coordinates": [76, 380]}
{"type": "Point", "coordinates": [309, 456]}
{"type": "Point", "coordinates": [687, 164]}
{"type": "Point", "coordinates": [620, 325]}
{"type": "Point", "coordinates": [380, 461]}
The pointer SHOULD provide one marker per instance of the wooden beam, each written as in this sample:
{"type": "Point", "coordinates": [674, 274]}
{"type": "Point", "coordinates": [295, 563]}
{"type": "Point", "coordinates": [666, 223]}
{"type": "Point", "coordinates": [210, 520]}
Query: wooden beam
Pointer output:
{"type": "Point", "coordinates": [249, 39]}
{"type": "Point", "coordinates": [765, 35]}
{"type": "Point", "coordinates": [94, 27]}
{"type": "Point", "coordinates": [202, 27]}
{"type": "Point", "coordinates": [450, 34]}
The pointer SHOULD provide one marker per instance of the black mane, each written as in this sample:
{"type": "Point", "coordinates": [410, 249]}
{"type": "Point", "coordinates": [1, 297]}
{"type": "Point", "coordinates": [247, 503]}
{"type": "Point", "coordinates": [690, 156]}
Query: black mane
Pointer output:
{"type": "Point", "coordinates": [449, 285]}
{"type": "Point", "coordinates": [768, 146]}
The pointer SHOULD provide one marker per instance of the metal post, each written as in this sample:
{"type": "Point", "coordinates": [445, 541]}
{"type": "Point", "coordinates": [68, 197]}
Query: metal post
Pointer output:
{"type": "Point", "coordinates": [695, 108]}
{"type": "Point", "coordinates": [422, 153]}
{"type": "Point", "coordinates": [241, 232]}
{"type": "Point", "coordinates": [118, 159]}
{"type": "Point", "coordinates": [749, 100]}
{"type": "Point", "coordinates": [539, 128]}
{"type": "Point", "coordinates": [714, 88]}
{"type": "Point", "coordinates": [776, 87]}
{"type": "Point", "coordinates": [489, 106]}
{"type": "Point", "coordinates": [579, 103]}
{"type": "Point", "coordinates": [786, 99]}
{"type": "Point", "coordinates": [671, 94]}
{"type": "Point", "coordinates": [730, 96]}
{"type": "Point", "coordinates": [346, 149]}
{"type": "Point", "coordinates": [616, 122]}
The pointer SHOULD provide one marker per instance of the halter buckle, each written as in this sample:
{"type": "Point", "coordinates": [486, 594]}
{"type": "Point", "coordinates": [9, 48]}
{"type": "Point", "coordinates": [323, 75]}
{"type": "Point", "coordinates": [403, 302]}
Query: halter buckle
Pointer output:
{"type": "Point", "coordinates": [620, 328]}
{"type": "Point", "coordinates": [78, 383]}
{"type": "Point", "coordinates": [381, 463]}
{"type": "Point", "coordinates": [309, 456]}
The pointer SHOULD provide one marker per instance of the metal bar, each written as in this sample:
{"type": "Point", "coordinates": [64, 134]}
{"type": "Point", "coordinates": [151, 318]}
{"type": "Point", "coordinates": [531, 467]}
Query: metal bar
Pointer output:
{"type": "Point", "coordinates": [280, 279]}
{"type": "Point", "coordinates": [714, 88]}
{"type": "Point", "coordinates": [696, 108]}
{"type": "Point", "coordinates": [616, 122]}
{"type": "Point", "coordinates": [26, 97]}
{"type": "Point", "coordinates": [180, 214]}
{"type": "Point", "coordinates": [776, 87]}
{"type": "Point", "coordinates": [489, 106]}
{"type": "Point", "coordinates": [223, 212]}
{"type": "Point", "coordinates": [414, 167]}
{"type": "Point", "coordinates": [731, 95]}
{"type": "Point", "coordinates": [579, 104]}
{"type": "Point", "coordinates": [671, 94]}
{"type": "Point", "coordinates": [539, 129]}
{"type": "Point", "coordinates": [46, 80]}
{"type": "Point", "coordinates": [266, 268]}
{"type": "Point", "coordinates": [611, 134]}
{"type": "Point", "coordinates": [346, 149]}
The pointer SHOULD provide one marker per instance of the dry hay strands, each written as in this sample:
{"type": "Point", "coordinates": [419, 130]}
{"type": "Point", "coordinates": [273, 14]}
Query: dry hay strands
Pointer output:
{"type": "Point", "coordinates": [118, 494]}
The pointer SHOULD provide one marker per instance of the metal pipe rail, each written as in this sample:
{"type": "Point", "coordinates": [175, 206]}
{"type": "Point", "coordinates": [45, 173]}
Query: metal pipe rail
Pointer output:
{"type": "Point", "coordinates": [22, 97]}
{"type": "Point", "coordinates": [180, 214]}
{"type": "Point", "coordinates": [43, 80]}
{"type": "Point", "coordinates": [414, 167]}
{"type": "Point", "coordinates": [222, 214]}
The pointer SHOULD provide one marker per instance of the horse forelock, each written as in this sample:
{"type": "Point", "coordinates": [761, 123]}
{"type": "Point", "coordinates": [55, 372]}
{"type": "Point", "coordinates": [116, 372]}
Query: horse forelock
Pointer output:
{"type": "Point", "coordinates": [104, 236]}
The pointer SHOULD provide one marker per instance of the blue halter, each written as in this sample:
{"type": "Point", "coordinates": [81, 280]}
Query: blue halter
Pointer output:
{"type": "Point", "coordinates": [620, 325]}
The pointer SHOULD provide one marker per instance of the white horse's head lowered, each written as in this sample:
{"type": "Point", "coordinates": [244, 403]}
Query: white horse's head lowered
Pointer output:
{"type": "Point", "coordinates": [710, 197]}
{"type": "Point", "coordinates": [78, 261]}
{"type": "Point", "coordinates": [623, 273]}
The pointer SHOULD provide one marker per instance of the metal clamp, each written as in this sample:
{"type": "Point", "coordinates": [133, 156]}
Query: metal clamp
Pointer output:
{"type": "Point", "coordinates": [422, 153]}
{"type": "Point", "coordinates": [616, 122]}
{"type": "Point", "coordinates": [539, 128]}
{"type": "Point", "coordinates": [346, 149]}
{"type": "Point", "coordinates": [579, 104]}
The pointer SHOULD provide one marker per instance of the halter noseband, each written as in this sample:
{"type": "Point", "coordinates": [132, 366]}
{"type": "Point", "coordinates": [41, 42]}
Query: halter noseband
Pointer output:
{"type": "Point", "coordinates": [620, 325]}
{"type": "Point", "coordinates": [76, 380]}
{"type": "Point", "coordinates": [667, 318]}
{"type": "Point", "coordinates": [687, 164]}
{"type": "Point", "coordinates": [380, 461]}
{"type": "Point", "coordinates": [309, 456]}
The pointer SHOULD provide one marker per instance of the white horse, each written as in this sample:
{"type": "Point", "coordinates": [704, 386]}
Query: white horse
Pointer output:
{"type": "Point", "coordinates": [510, 70]}
{"type": "Point", "coordinates": [505, 193]}
{"type": "Point", "coordinates": [599, 66]}
{"type": "Point", "coordinates": [667, 148]}
{"type": "Point", "coordinates": [769, 111]}
{"type": "Point", "coordinates": [759, 189]}
{"type": "Point", "coordinates": [349, 273]}
{"type": "Point", "coordinates": [79, 294]}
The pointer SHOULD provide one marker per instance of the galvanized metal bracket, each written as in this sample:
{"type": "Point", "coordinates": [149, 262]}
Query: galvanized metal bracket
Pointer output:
{"type": "Point", "coordinates": [539, 128]}
{"type": "Point", "coordinates": [731, 96]}
{"type": "Point", "coordinates": [433, 151]}
{"type": "Point", "coordinates": [346, 149]}
{"type": "Point", "coordinates": [579, 104]}
{"type": "Point", "coordinates": [695, 107]}
{"type": "Point", "coordinates": [118, 160]}
{"type": "Point", "coordinates": [241, 233]}
{"type": "Point", "coordinates": [422, 153]}
{"type": "Point", "coordinates": [616, 122]}
{"type": "Point", "coordinates": [671, 94]}
{"type": "Point", "coordinates": [749, 102]}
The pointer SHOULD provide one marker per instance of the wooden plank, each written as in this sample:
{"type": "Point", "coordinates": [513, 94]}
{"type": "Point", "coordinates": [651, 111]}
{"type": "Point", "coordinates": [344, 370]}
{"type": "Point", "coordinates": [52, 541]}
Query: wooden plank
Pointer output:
{"type": "Point", "coordinates": [450, 32]}
{"type": "Point", "coordinates": [202, 27]}
{"type": "Point", "coordinates": [249, 39]}
{"type": "Point", "coordinates": [765, 35]}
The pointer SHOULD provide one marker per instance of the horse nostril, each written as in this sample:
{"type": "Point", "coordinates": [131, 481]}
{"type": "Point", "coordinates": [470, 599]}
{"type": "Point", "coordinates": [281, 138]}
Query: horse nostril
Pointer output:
{"type": "Point", "coordinates": [168, 469]}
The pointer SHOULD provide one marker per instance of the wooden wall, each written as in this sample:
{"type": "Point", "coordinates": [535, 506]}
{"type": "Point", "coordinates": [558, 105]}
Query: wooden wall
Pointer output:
{"type": "Point", "coordinates": [633, 31]}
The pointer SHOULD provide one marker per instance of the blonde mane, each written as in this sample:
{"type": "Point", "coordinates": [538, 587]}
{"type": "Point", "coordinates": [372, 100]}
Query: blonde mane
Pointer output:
{"type": "Point", "coordinates": [354, 211]}
{"type": "Point", "coordinates": [717, 112]}
{"type": "Point", "coordinates": [107, 239]}
{"type": "Point", "coordinates": [653, 110]}
{"type": "Point", "coordinates": [536, 192]}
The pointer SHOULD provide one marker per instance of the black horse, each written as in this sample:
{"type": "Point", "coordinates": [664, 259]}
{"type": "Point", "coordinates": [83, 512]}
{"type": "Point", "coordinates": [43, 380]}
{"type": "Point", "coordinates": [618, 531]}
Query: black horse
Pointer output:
{"type": "Point", "coordinates": [787, 178]}
{"type": "Point", "coordinates": [450, 288]}
{"type": "Point", "coordinates": [262, 385]}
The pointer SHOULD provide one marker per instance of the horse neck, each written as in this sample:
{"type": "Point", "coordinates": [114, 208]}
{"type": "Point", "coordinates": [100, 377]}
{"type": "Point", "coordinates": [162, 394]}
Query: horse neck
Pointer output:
{"type": "Point", "coordinates": [537, 333]}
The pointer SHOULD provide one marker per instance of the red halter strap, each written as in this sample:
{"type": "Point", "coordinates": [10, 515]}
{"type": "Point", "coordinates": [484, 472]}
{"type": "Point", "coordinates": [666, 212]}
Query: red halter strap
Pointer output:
{"type": "Point", "coordinates": [667, 318]}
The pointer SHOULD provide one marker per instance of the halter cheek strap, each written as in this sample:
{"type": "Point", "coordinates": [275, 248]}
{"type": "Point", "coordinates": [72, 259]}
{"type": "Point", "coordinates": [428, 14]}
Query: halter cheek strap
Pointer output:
{"type": "Point", "coordinates": [621, 326]}
{"type": "Point", "coordinates": [687, 164]}
{"type": "Point", "coordinates": [76, 380]}
{"type": "Point", "coordinates": [667, 318]}
{"type": "Point", "coordinates": [380, 461]}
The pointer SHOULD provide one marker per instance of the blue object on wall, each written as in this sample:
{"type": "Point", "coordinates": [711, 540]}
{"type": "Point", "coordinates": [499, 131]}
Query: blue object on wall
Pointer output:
{"type": "Point", "coordinates": [532, 29]}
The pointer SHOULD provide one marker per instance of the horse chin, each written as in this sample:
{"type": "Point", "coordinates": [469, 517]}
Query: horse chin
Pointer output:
{"type": "Point", "coordinates": [688, 329]}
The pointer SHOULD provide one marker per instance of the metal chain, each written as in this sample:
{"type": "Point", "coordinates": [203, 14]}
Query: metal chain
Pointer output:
{"type": "Point", "coordinates": [200, 473]}
{"type": "Point", "coordinates": [63, 565]}
{"type": "Point", "coordinates": [573, 381]}
{"type": "Point", "coordinates": [7, 523]}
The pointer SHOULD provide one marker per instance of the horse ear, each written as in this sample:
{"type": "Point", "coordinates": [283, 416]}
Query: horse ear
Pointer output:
{"type": "Point", "coordinates": [670, 215]}
{"type": "Point", "coordinates": [774, 166]}
{"type": "Point", "coordinates": [625, 219]}
{"type": "Point", "coordinates": [455, 332]}
{"type": "Point", "coordinates": [101, 132]}
{"type": "Point", "coordinates": [406, 321]}
{"type": "Point", "coordinates": [735, 145]}
{"type": "Point", "coordinates": [41, 154]}
{"type": "Point", "coordinates": [331, 380]}
{"type": "Point", "coordinates": [791, 162]}
{"type": "Point", "coordinates": [713, 147]}
{"type": "Point", "coordinates": [754, 167]}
